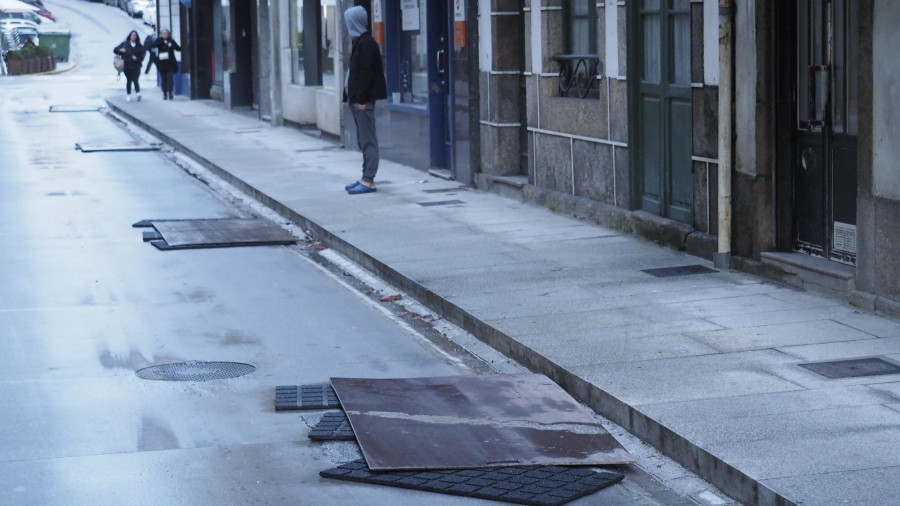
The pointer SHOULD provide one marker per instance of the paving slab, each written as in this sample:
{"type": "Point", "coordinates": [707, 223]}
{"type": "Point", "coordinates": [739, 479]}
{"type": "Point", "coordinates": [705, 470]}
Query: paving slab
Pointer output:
{"type": "Point", "coordinates": [674, 360]}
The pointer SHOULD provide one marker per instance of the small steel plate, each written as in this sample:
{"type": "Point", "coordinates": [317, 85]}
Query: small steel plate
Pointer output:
{"type": "Point", "coordinates": [74, 108]}
{"type": "Point", "coordinates": [441, 203]}
{"type": "Point", "coordinates": [88, 147]}
{"type": "Point", "coordinates": [542, 486]}
{"type": "Point", "coordinates": [299, 397]}
{"type": "Point", "coordinates": [333, 426]}
{"type": "Point", "coordinates": [683, 270]}
{"type": "Point", "coordinates": [195, 371]}
{"type": "Point", "coordinates": [855, 368]}
{"type": "Point", "coordinates": [216, 233]}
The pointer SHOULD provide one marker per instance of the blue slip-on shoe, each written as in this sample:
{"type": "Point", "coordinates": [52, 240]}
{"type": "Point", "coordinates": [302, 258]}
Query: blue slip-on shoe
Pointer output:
{"type": "Point", "coordinates": [361, 188]}
{"type": "Point", "coordinates": [351, 185]}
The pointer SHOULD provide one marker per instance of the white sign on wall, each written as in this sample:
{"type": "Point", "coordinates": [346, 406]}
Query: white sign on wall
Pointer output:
{"type": "Point", "coordinates": [409, 15]}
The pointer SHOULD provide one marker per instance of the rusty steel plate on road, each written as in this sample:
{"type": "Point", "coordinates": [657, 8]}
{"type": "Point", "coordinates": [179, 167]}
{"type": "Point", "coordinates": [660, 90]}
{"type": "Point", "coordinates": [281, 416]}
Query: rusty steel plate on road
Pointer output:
{"type": "Point", "coordinates": [218, 233]}
{"type": "Point", "coordinates": [460, 422]}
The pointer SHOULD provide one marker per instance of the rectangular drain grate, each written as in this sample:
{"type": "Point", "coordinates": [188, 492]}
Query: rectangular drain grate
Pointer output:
{"type": "Point", "coordinates": [543, 486]}
{"type": "Point", "coordinates": [298, 397]}
{"type": "Point", "coordinates": [684, 270]}
{"type": "Point", "coordinates": [855, 368]}
{"type": "Point", "coordinates": [442, 203]}
{"type": "Point", "coordinates": [333, 426]}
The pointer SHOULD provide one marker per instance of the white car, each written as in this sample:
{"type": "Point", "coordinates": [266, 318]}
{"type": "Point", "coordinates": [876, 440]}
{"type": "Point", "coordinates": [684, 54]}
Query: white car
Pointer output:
{"type": "Point", "coordinates": [139, 7]}
{"type": "Point", "coordinates": [150, 14]}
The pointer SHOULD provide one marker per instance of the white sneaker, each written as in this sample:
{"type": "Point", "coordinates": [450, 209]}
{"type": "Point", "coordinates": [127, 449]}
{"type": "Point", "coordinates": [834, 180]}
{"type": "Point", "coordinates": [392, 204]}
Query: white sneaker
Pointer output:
{"type": "Point", "coordinates": [138, 97]}
{"type": "Point", "coordinates": [128, 97]}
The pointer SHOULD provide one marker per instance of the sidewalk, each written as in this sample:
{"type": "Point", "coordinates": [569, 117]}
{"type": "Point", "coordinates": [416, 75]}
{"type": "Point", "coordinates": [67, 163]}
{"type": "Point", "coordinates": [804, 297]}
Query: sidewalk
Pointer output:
{"type": "Point", "coordinates": [703, 367]}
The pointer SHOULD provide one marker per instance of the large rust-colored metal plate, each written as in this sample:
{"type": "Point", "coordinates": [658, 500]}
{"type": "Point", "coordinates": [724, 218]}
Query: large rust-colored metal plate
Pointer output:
{"type": "Point", "coordinates": [460, 422]}
{"type": "Point", "coordinates": [217, 233]}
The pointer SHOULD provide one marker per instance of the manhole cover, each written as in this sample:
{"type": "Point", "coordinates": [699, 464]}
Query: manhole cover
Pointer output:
{"type": "Point", "coordinates": [195, 371]}
{"type": "Point", "coordinates": [856, 368]}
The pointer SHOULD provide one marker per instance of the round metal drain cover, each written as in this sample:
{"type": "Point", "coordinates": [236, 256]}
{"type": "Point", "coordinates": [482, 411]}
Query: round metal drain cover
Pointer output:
{"type": "Point", "coordinates": [195, 371]}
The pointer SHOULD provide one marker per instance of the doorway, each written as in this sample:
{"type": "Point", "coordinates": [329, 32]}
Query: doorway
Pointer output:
{"type": "Point", "coordinates": [660, 111]}
{"type": "Point", "coordinates": [243, 93]}
{"type": "Point", "coordinates": [823, 127]}
{"type": "Point", "coordinates": [427, 78]}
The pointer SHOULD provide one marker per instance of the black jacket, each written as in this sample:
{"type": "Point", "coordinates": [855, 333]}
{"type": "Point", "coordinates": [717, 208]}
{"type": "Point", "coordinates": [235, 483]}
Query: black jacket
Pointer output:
{"type": "Point", "coordinates": [133, 56]}
{"type": "Point", "coordinates": [366, 81]}
{"type": "Point", "coordinates": [165, 59]}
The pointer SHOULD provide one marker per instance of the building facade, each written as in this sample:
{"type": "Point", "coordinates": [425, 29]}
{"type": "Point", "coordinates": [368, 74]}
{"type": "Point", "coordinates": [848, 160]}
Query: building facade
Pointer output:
{"type": "Point", "coordinates": [611, 110]}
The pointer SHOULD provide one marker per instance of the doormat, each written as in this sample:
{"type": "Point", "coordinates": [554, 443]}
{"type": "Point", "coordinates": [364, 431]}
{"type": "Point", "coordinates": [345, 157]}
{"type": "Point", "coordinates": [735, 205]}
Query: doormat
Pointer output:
{"type": "Point", "coordinates": [302, 397]}
{"type": "Point", "coordinates": [333, 426]}
{"type": "Point", "coordinates": [74, 108]}
{"type": "Point", "coordinates": [214, 233]}
{"type": "Point", "coordinates": [856, 368]}
{"type": "Point", "coordinates": [441, 203]}
{"type": "Point", "coordinates": [88, 147]}
{"type": "Point", "coordinates": [683, 270]}
{"type": "Point", "coordinates": [461, 422]}
{"type": "Point", "coordinates": [542, 486]}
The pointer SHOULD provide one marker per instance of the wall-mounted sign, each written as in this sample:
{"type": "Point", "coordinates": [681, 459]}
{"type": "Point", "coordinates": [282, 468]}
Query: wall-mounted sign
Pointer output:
{"type": "Point", "coordinates": [459, 23]}
{"type": "Point", "coordinates": [409, 14]}
{"type": "Point", "coordinates": [377, 21]}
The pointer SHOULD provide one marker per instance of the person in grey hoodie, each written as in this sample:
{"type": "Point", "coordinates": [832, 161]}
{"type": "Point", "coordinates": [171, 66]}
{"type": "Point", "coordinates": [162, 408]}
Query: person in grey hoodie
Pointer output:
{"type": "Point", "coordinates": [365, 84]}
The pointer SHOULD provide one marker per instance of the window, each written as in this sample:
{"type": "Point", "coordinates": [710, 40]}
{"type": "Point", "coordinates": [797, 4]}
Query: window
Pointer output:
{"type": "Point", "coordinates": [297, 66]}
{"type": "Point", "coordinates": [580, 26]}
{"type": "Point", "coordinates": [579, 65]}
{"type": "Point", "coordinates": [306, 39]}
{"type": "Point", "coordinates": [329, 42]}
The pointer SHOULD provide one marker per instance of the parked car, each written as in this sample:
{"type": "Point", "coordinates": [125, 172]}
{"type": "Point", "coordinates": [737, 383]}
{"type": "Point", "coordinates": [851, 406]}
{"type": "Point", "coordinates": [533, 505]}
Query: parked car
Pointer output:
{"type": "Point", "coordinates": [149, 15]}
{"type": "Point", "coordinates": [22, 15]}
{"type": "Point", "coordinates": [42, 10]}
{"type": "Point", "coordinates": [138, 7]}
{"type": "Point", "coordinates": [114, 3]}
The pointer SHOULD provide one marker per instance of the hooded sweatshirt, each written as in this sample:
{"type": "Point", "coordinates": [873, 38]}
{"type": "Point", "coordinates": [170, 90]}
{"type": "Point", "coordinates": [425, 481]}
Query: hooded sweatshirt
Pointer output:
{"type": "Point", "coordinates": [357, 21]}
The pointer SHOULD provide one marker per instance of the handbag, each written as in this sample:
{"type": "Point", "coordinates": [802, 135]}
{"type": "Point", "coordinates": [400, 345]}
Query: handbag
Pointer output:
{"type": "Point", "coordinates": [119, 63]}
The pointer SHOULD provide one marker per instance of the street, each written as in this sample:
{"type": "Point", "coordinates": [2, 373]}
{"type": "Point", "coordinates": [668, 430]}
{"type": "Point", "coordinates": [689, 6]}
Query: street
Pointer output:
{"type": "Point", "coordinates": [86, 303]}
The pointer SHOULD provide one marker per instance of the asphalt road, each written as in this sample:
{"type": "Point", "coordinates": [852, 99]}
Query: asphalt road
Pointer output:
{"type": "Point", "coordinates": [85, 303]}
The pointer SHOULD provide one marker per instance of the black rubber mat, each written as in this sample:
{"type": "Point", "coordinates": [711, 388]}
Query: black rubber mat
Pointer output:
{"type": "Point", "coordinates": [683, 270]}
{"type": "Point", "coordinates": [214, 233]}
{"type": "Point", "coordinates": [855, 368]}
{"type": "Point", "coordinates": [541, 486]}
{"type": "Point", "coordinates": [334, 426]}
{"type": "Point", "coordinates": [301, 397]}
{"type": "Point", "coordinates": [88, 147]}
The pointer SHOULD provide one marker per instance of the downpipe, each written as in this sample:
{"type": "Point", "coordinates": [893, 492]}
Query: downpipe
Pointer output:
{"type": "Point", "coordinates": [722, 259]}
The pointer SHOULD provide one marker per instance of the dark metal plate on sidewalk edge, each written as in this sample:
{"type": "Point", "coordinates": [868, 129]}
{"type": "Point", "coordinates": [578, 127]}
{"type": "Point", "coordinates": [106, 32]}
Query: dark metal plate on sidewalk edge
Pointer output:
{"type": "Point", "coordinates": [542, 486]}
{"type": "Point", "coordinates": [74, 108]}
{"type": "Point", "coordinates": [87, 147]}
{"type": "Point", "coordinates": [462, 422]}
{"type": "Point", "coordinates": [855, 368]}
{"type": "Point", "coordinates": [218, 233]}
{"type": "Point", "coordinates": [683, 270]}
{"type": "Point", "coordinates": [297, 397]}
{"type": "Point", "coordinates": [333, 426]}
{"type": "Point", "coordinates": [441, 203]}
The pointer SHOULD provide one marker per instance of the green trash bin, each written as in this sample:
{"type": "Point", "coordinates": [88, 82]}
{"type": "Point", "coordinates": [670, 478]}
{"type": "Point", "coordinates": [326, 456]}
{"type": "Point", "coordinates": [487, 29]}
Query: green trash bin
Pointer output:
{"type": "Point", "coordinates": [59, 41]}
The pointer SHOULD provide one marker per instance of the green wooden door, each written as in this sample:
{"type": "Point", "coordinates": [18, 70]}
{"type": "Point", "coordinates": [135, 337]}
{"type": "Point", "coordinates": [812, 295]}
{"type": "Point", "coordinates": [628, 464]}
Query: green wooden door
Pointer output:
{"type": "Point", "coordinates": [660, 107]}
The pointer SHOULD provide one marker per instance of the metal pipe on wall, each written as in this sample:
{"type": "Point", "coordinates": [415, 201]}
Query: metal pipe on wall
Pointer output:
{"type": "Point", "coordinates": [722, 259]}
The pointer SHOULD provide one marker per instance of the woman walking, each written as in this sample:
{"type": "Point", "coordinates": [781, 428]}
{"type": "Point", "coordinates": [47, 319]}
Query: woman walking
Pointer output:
{"type": "Point", "coordinates": [132, 51]}
{"type": "Point", "coordinates": [165, 61]}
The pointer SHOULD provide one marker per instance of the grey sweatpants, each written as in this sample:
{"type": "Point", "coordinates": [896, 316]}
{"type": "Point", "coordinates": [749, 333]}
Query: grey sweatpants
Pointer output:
{"type": "Point", "coordinates": [367, 140]}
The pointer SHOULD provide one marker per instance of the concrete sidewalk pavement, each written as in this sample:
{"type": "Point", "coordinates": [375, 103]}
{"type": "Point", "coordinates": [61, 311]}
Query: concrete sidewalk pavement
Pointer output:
{"type": "Point", "coordinates": [704, 367]}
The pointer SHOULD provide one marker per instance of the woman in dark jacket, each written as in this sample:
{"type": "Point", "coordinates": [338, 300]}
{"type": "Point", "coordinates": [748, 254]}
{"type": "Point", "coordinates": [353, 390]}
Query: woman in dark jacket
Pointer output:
{"type": "Point", "coordinates": [132, 51]}
{"type": "Point", "coordinates": [165, 61]}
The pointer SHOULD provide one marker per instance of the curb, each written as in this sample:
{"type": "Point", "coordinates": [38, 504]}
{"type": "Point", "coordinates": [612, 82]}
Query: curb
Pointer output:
{"type": "Point", "coordinates": [733, 482]}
